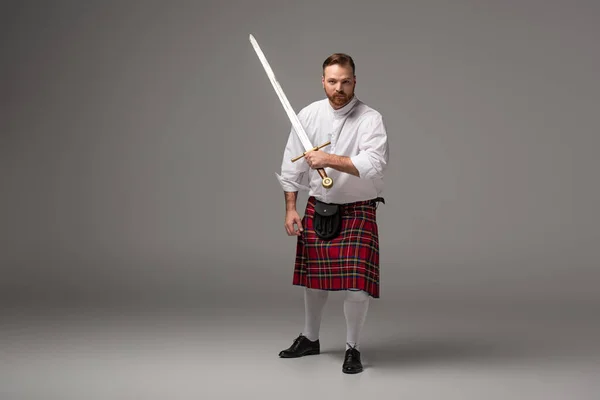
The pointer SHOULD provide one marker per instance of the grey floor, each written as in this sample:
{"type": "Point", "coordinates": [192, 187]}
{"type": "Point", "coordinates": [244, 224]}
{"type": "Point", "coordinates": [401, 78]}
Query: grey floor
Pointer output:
{"type": "Point", "coordinates": [229, 351]}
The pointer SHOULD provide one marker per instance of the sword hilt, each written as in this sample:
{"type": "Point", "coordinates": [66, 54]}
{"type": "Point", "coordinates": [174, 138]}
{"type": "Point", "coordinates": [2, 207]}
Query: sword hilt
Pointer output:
{"type": "Point", "coordinates": [327, 181]}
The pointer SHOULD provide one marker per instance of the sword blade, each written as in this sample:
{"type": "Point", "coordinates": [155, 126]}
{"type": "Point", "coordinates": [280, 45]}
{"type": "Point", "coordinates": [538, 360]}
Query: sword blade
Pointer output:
{"type": "Point", "coordinates": [282, 97]}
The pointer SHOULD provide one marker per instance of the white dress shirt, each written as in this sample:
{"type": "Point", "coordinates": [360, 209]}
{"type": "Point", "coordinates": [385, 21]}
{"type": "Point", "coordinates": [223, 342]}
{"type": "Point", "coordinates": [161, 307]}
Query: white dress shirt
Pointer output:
{"type": "Point", "coordinates": [356, 131]}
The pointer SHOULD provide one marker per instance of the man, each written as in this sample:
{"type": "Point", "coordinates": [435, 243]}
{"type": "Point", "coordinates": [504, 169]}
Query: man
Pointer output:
{"type": "Point", "coordinates": [348, 258]}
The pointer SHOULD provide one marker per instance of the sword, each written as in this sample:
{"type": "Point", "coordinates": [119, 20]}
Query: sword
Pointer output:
{"type": "Point", "coordinates": [327, 181]}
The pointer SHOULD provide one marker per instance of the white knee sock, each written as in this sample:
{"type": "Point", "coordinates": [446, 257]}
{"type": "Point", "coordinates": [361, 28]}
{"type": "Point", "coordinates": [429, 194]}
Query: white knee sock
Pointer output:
{"type": "Point", "coordinates": [356, 305]}
{"type": "Point", "coordinates": [314, 302]}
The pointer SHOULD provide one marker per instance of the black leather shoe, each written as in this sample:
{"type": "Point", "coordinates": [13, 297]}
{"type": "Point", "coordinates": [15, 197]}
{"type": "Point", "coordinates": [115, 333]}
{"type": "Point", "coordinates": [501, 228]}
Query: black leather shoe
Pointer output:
{"type": "Point", "coordinates": [301, 347]}
{"type": "Point", "coordinates": [352, 364]}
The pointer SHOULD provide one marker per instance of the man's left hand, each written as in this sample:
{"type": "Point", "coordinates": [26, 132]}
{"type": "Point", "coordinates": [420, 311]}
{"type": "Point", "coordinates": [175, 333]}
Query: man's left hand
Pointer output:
{"type": "Point", "coordinates": [317, 159]}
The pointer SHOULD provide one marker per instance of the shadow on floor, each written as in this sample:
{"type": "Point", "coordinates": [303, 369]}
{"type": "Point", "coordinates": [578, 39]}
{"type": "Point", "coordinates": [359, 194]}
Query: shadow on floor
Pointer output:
{"type": "Point", "coordinates": [402, 351]}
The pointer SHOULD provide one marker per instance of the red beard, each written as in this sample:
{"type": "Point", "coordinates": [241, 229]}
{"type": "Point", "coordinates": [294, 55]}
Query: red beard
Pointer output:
{"type": "Point", "coordinates": [339, 99]}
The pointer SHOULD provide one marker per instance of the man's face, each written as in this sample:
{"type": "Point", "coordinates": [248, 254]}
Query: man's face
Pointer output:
{"type": "Point", "coordinates": [339, 82]}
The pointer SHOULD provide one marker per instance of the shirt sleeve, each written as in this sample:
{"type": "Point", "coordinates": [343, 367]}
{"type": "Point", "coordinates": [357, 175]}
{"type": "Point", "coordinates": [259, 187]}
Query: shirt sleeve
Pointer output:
{"type": "Point", "coordinates": [372, 158]}
{"type": "Point", "coordinates": [293, 174]}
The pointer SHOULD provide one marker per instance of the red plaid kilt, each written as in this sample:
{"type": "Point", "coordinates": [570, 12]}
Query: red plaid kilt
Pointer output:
{"type": "Point", "coordinates": [350, 261]}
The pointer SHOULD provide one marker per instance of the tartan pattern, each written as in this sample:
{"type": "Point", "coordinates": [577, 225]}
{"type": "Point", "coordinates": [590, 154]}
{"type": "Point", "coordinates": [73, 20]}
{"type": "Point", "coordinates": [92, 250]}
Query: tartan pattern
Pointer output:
{"type": "Point", "coordinates": [350, 261]}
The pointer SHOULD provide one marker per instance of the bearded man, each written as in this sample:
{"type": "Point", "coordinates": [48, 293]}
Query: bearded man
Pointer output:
{"type": "Point", "coordinates": [337, 239]}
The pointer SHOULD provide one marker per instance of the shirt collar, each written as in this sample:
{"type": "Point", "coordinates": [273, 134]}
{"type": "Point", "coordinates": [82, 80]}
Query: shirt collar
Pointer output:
{"type": "Point", "coordinates": [341, 112]}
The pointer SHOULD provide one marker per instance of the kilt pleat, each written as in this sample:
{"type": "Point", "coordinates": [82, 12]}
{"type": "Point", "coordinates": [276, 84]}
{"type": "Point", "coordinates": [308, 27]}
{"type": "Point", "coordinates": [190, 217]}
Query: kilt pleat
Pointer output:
{"type": "Point", "coordinates": [350, 261]}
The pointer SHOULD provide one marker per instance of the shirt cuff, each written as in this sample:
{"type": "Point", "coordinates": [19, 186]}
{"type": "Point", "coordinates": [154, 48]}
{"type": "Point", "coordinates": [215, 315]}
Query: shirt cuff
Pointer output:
{"type": "Point", "coordinates": [363, 165]}
{"type": "Point", "coordinates": [290, 186]}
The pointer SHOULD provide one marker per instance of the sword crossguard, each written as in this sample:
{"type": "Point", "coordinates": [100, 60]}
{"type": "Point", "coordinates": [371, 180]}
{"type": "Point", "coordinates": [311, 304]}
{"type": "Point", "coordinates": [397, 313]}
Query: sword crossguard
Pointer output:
{"type": "Point", "coordinates": [327, 181]}
{"type": "Point", "coordinates": [313, 149]}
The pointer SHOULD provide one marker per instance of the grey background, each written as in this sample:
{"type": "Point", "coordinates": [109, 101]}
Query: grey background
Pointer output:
{"type": "Point", "coordinates": [140, 140]}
